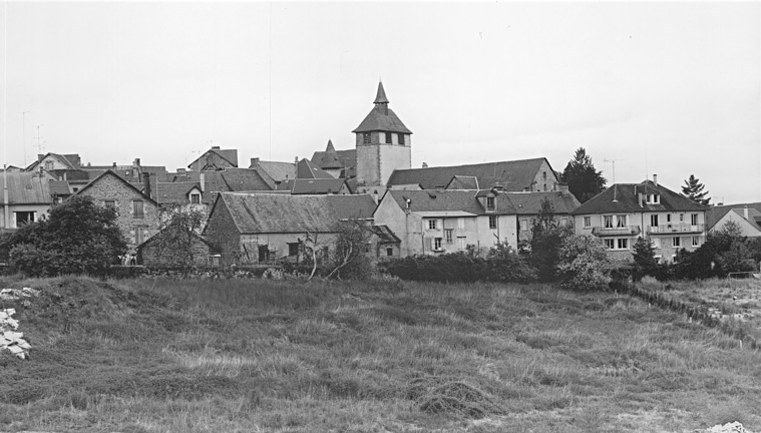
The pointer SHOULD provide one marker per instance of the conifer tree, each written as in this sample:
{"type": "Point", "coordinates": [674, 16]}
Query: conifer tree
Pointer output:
{"type": "Point", "coordinates": [693, 189]}
{"type": "Point", "coordinates": [584, 181]}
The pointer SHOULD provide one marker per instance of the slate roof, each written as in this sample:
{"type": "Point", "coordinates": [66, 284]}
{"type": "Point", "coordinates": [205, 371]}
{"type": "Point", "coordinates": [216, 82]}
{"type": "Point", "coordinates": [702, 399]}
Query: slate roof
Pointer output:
{"type": "Point", "coordinates": [327, 159]}
{"type": "Point", "coordinates": [715, 213]}
{"type": "Point", "coordinates": [512, 175]}
{"type": "Point", "coordinates": [27, 187]}
{"type": "Point", "coordinates": [111, 173]}
{"type": "Point", "coordinates": [438, 201]}
{"type": "Point", "coordinates": [317, 186]}
{"type": "Point", "coordinates": [530, 203]}
{"type": "Point", "coordinates": [463, 182]}
{"type": "Point", "coordinates": [623, 197]}
{"type": "Point", "coordinates": [59, 188]}
{"type": "Point", "coordinates": [381, 118]}
{"type": "Point", "coordinates": [306, 170]}
{"type": "Point", "coordinates": [385, 235]}
{"type": "Point", "coordinates": [277, 170]}
{"type": "Point", "coordinates": [227, 180]}
{"type": "Point", "coordinates": [70, 160]}
{"type": "Point", "coordinates": [278, 213]}
{"type": "Point", "coordinates": [174, 192]}
{"type": "Point", "coordinates": [229, 155]}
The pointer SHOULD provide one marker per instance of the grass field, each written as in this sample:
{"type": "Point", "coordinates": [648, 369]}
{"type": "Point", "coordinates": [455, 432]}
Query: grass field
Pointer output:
{"type": "Point", "coordinates": [224, 356]}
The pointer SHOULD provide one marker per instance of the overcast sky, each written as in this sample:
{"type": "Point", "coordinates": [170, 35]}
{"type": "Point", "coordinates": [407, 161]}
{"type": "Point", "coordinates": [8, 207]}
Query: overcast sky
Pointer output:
{"type": "Point", "coordinates": [667, 88]}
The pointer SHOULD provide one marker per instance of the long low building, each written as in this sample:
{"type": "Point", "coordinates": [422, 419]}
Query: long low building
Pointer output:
{"type": "Point", "coordinates": [252, 228]}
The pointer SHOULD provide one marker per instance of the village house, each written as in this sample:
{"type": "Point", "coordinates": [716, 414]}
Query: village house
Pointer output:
{"type": "Point", "coordinates": [30, 195]}
{"type": "Point", "coordinates": [137, 213]}
{"type": "Point", "coordinates": [445, 221]}
{"type": "Point", "coordinates": [338, 163]}
{"type": "Point", "coordinates": [747, 218]}
{"type": "Point", "coordinates": [253, 228]}
{"type": "Point", "coordinates": [168, 248]}
{"type": "Point", "coordinates": [626, 211]}
{"type": "Point", "coordinates": [278, 171]}
{"type": "Point", "coordinates": [534, 175]}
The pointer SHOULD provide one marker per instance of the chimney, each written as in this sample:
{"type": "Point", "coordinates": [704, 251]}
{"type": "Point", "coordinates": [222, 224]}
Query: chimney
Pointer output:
{"type": "Point", "coordinates": [254, 162]}
{"type": "Point", "coordinates": [202, 181]}
{"type": "Point", "coordinates": [655, 179]}
{"type": "Point", "coordinates": [296, 160]}
{"type": "Point", "coordinates": [181, 170]}
{"type": "Point", "coordinates": [425, 165]}
{"type": "Point", "coordinates": [563, 187]}
{"type": "Point", "coordinates": [113, 165]}
{"type": "Point", "coordinates": [40, 156]}
{"type": "Point", "coordinates": [136, 162]}
{"type": "Point", "coordinates": [214, 147]}
{"type": "Point", "coordinates": [745, 212]}
{"type": "Point", "coordinates": [146, 183]}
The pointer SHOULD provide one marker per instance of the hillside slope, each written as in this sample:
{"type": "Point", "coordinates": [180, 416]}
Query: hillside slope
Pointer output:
{"type": "Point", "coordinates": [186, 356]}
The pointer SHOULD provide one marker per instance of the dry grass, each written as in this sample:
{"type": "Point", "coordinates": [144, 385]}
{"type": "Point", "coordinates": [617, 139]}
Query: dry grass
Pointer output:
{"type": "Point", "coordinates": [145, 356]}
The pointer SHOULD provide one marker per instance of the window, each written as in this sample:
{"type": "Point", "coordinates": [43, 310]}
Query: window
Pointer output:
{"type": "Point", "coordinates": [668, 217]}
{"type": "Point", "coordinates": [110, 204]}
{"type": "Point", "coordinates": [431, 224]}
{"type": "Point", "coordinates": [48, 165]}
{"type": "Point", "coordinates": [621, 221]}
{"type": "Point", "coordinates": [489, 203]}
{"type": "Point", "coordinates": [366, 138]}
{"type": "Point", "coordinates": [437, 244]}
{"type": "Point", "coordinates": [607, 221]}
{"type": "Point", "coordinates": [195, 198]}
{"type": "Point", "coordinates": [544, 175]}
{"type": "Point", "coordinates": [401, 139]}
{"type": "Point", "coordinates": [137, 209]}
{"type": "Point", "coordinates": [696, 241]}
{"type": "Point", "coordinates": [24, 218]}
{"type": "Point", "coordinates": [608, 244]}
{"type": "Point", "coordinates": [654, 220]}
{"type": "Point", "coordinates": [653, 199]}
{"type": "Point", "coordinates": [623, 243]}
{"type": "Point", "coordinates": [676, 241]}
{"type": "Point", "coordinates": [545, 187]}
{"type": "Point", "coordinates": [448, 235]}
{"type": "Point", "coordinates": [492, 221]}
{"type": "Point", "coordinates": [524, 224]}
{"type": "Point", "coordinates": [681, 217]}
{"type": "Point", "coordinates": [694, 219]}
{"type": "Point", "coordinates": [388, 138]}
{"type": "Point", "coordinates": [293, 249]}
{"type": "Point", "coordinates": [658, 258]}
{"type": "Point", "coordinates": [389, 251]}
{"type": "Point", "coordinates": [587, 221]}
{"type": "Point", "coordinates": [460, 242]}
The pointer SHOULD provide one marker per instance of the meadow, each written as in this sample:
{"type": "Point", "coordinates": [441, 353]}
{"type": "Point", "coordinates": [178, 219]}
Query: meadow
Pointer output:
{"type": "Point", "coordinates": [257, 355]}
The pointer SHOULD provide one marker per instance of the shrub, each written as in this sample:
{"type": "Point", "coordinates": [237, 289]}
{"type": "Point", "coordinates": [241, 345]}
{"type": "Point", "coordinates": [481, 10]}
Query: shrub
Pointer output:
{"type": "Point", "coordinates": [547, 236]}
{"type": "Point", "coordinates": [504, 264]}
{"type": "Point", "coordinates": [644, 258]}
{"type": "Point", "coordinates": [79, 237]}
{"type": "Point", "coordinates": [584, 265]}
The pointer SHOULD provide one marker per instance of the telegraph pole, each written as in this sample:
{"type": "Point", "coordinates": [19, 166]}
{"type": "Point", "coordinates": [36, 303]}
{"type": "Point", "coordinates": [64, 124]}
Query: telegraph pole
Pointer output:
{"type": "Point", "coordinates": [23, 133]}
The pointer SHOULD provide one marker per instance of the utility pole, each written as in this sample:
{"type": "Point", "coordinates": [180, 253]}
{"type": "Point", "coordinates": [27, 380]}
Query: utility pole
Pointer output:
{"type": "Point", "coordinates": [39, 139]}
{"type": "Point", "coordinates": [613, 163]}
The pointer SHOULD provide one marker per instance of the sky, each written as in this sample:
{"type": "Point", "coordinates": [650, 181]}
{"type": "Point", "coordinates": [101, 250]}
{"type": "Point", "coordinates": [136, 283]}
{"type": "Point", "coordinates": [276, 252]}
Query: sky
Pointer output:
{"type": "Point", "coordinates": [644, 87]}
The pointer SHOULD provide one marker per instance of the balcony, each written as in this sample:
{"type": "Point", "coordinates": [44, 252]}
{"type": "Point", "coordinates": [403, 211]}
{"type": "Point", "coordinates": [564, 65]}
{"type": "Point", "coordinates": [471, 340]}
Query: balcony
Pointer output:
{"type": "Point", "coordinates": [675, 228]}
{"type": "Point", "coordinates": [616, 231]}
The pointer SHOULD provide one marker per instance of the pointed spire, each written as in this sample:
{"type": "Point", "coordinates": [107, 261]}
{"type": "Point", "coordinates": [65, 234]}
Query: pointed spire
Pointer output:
{"type": "Point", "coordinates": [330, 147]}
{"type": "Point", "coordinates": [380, 98]}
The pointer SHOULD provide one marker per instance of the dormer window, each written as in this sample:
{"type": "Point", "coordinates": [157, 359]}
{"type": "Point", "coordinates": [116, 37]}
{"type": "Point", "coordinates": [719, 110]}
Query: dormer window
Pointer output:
{"type": "Point", "coordinates": [653, 199]}
{"type": "Point", "coordinates": [195, 198]}
{"type": "Point", "coordinates": [489, 203]}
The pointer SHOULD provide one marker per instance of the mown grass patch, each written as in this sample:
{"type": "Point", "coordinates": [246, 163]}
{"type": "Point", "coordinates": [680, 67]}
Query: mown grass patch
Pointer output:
{"type": "Point", "coordinates": [154, 355]}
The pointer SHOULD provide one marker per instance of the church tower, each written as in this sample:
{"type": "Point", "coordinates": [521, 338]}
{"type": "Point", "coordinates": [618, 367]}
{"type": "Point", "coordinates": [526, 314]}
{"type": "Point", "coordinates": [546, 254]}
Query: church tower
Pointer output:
{"type": "Point", "coordinates": [383, 145]}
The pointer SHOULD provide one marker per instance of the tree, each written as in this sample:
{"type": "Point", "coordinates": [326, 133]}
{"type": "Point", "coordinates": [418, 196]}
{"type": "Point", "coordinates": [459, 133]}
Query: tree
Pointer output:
{"type": "Point", "coordinates": [547, 234]}
{"type": "Point", "coordinates": [350, 259]}
{"type": "Point", "coordinates": [644, 258]}
{"type": "Point", "coordinates": [176, 240]}
{"type": "Point", "coordinates": [78, 237]}
{"type": "Point", "coordinates": [584, 264]}
{"type": "Point", "coordinates": [693, 189]}
{"type": "Point", "coordinates": [583, 180]}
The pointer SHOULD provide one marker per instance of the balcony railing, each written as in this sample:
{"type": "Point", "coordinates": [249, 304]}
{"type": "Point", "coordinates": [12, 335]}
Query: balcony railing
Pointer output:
{"type": "Point", "coordinates": [675, 228]}
{"type": "Point", "coordinates": [616, 231]}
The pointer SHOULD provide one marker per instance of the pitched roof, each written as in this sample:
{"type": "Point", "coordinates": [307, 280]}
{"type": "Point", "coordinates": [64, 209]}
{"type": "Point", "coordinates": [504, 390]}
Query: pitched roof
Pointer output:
{"type": "Point", "coordinates": [27, 187]}
{"type": "Point", "coordinates": [306, 170]}
{"type": "Point", "coordinates": [715, 213]}
{"type": "Point", "coordinates": [385, 235]}
{"type": "Point", "coordinates": [317, 186]}
{"type": "Point", "coordinates": [174, 192]}
{"type": "Point", "coordinates": [60, 188]}
{"type": "Point", "coordinates": [278, 213]}
{"type": "Point", "coordinates": [463, 201]}
{"type": "Point", "coordinates": [382, 119]}
{"type": "Point", "coordinates": [327, 159]}
{"type": "Point", "coordinates": [463, 182]}
{"type": "Point", "coordinates": [111, 173]}
{"type": "Point", "coordinates": [229, 155]}
{"type": "Point", "coordinates": [512, 175]}
{"type": "Point", "coordinates": [70, 160]}
{"type": "Point", "coordinates": [380, 97]}
{"type": "Point", "coordinates": [623, 197]}
{"type": "Point", "coordinates": [530, 203]}
{"type": "Point", "coordinates": [277, 170]}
